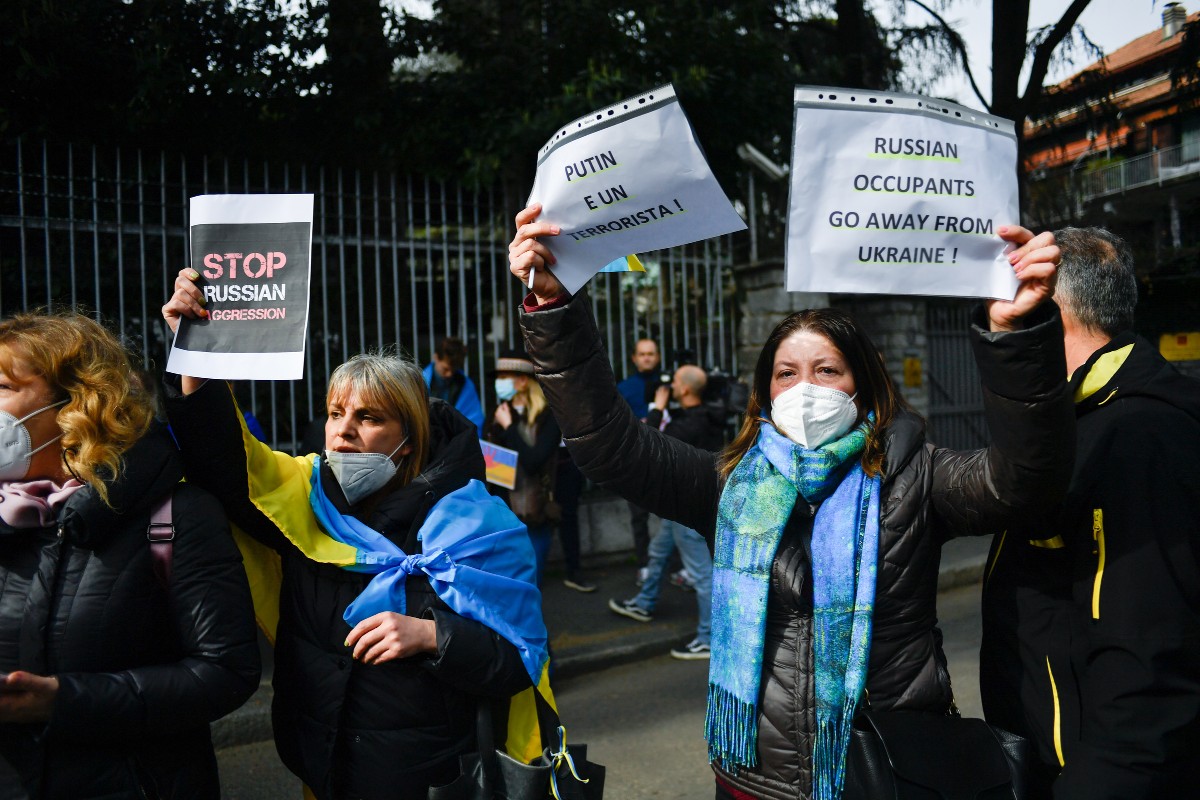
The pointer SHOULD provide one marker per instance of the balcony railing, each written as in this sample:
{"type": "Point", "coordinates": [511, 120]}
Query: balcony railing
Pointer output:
{"type": "Point", "coordinates": [1157, 167]}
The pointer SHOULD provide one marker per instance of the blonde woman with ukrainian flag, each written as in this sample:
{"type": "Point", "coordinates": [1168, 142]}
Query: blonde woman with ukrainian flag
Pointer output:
{"type": "Point", "coordinates": [396, 591]}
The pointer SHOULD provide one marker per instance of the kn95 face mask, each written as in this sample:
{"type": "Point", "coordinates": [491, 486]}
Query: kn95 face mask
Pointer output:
{"type": "Point", "coordinates": [812, 415]}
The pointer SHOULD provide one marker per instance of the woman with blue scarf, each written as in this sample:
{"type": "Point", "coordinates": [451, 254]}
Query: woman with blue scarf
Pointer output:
{"type": "Point", "coordinates": [827, 513]}
{"type": "Point", "coordinates": [398, 593]}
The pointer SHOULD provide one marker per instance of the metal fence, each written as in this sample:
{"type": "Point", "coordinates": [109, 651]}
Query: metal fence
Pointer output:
{"type": "Point", "coordinates": [956, 418]}
{"type": "Point", "coordinates": [397, 259]}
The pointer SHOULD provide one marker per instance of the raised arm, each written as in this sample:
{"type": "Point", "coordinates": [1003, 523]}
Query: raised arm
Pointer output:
{"type": "Point", "coordinates": [609, 445]}
{"type": "Point", "coordinates": [1018, 347]}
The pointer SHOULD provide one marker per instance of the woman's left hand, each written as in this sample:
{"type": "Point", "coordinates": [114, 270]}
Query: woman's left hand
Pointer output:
{"type": "Point", "coordinates": [1035, 261]}
{"type": "Point", "coordinates": [387, 636]}
{"type": "Point", "coordinates": [25, 697]}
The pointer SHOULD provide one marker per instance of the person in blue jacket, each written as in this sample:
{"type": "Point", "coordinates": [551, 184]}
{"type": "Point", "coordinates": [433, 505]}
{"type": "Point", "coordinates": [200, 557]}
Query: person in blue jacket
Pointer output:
{"type": "Point", "coordinates": [447, 381]}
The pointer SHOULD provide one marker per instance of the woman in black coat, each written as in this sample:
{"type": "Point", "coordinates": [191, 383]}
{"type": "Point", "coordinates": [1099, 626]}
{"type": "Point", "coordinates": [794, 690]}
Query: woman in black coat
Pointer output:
{"type": "Point", "coordinates": [114, 667]}
{"type": "Point", "coordinates": [382, 708]}
{"type": "Point", "coordinates": [828, 511]}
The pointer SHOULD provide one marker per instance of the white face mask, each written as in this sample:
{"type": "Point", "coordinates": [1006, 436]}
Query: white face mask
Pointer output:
{"type": "Point", "coordinates": [813, 415]}
{"type": "Point", "coordinates": [16, 447]}
{"type": "Point", "coordinates": [362, 474]}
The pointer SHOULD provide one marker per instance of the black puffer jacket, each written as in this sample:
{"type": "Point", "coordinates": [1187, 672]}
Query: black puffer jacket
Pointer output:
{"type": "Point", "coordinates": [930, 495]}
{"type": "Point", "coordinates": [349, 729]}
{"type": "Point", "coordinates": [142, 670]}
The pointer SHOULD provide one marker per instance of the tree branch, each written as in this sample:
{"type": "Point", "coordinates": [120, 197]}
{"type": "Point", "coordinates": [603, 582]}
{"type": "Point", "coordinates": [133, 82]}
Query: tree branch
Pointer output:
{"type": "Point", "coordinates": [1041, 56]}
{"type": "Point", "coordinates": [958, 45]}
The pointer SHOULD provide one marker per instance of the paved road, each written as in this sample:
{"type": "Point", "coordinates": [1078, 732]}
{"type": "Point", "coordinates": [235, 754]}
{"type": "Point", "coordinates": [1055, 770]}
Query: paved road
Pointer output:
{"type": "Point", "coordinates": [644, 721]}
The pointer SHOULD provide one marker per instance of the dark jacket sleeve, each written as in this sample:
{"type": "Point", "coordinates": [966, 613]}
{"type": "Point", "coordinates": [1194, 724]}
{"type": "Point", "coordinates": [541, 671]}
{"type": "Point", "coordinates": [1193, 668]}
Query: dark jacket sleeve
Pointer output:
{"type": "Point", "coordinates": [1137, 585]}
{"type": "Point", "coordinates": [208, 428]}
{"type": "Point", "coordinates": [473, 658]}
{"type": "Point", "coordinates": [1027, 467]}
{"type": "Point", "coordinates": [607, 442]}
{"type": "Point", "coordinates": [214, 624]}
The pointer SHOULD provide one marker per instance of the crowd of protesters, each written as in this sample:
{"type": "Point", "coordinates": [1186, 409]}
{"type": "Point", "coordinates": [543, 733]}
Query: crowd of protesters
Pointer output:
{"type": "Point", "coordinates": [401, 595]}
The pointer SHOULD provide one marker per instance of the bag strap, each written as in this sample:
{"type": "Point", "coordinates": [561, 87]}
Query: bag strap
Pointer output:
{"type": "Point", "coordinates": [161, 535]}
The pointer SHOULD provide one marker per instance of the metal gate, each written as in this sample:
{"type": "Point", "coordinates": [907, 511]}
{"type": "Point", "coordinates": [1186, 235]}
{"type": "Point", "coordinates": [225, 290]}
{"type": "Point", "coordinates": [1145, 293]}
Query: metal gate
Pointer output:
{"type": "Point", "coordinates": [397, 259]}
{"type": "Point", "coordinates": [956, 417]}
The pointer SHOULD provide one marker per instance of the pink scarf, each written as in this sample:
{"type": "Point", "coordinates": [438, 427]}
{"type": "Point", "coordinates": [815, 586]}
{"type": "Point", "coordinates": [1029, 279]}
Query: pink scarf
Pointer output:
{"type": "Point", "coordinates": [34, 504]}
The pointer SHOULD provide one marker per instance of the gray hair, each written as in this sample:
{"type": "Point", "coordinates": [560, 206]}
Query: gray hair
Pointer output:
{"type": "Point", "coordinates": [1096, 280]}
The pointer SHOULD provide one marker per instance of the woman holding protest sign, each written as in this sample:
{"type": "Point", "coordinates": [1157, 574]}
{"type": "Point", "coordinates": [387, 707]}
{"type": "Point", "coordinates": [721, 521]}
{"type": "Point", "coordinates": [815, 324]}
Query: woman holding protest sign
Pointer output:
{"type": "Point", "coordinates": [115, 653]}
{"type": "Point", "coordinates": [827, 511]}
{"type": "Point", "coordinates": [407, 594]}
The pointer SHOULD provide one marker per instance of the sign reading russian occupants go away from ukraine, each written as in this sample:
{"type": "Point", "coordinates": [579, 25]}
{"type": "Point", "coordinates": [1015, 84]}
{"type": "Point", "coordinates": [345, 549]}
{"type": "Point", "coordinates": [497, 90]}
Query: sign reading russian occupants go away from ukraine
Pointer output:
{"type": "Point", "coordinates": [253, 255]}
{"type": "Point", "coordinates": [899, 194]}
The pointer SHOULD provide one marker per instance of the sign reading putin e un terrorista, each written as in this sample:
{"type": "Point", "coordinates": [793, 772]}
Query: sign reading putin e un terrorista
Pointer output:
{"type": "Point", "coordinates": [899, 194]}
{"type": "Point", "coordinates": [253, 254]}
{"type": "Point", "coordinates": [629, 178]}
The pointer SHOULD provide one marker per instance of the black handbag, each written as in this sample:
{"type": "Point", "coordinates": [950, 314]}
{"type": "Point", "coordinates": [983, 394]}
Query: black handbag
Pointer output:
{"type": "Point", "coordinates": [907, 755]}
{"type": "Point", "coordinates": [490, 774]}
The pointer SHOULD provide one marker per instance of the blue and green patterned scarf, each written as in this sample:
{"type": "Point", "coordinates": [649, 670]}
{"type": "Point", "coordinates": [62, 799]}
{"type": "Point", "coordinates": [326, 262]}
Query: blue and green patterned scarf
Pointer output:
{"type": "Point", "coordinates": [754, 508]}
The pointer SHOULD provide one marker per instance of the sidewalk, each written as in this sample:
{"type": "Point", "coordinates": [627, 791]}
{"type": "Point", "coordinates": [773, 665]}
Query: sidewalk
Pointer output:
{"type": "Point", "coordinates": [585, 636]}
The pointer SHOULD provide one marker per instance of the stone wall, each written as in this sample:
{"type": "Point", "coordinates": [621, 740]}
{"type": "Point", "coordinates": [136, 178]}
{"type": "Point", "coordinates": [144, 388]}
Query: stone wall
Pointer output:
{"type": "Point", "coordinates": [896, 324]}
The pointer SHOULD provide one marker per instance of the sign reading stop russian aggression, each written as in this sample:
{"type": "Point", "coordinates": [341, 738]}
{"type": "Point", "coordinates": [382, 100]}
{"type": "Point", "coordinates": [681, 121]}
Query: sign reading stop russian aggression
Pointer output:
{"type": "Point", "coordinates": [899, 194]}
{"type": "Point", "coordinates": [629, 178]}
{"type": "Point", "coordinates": [253, 256]}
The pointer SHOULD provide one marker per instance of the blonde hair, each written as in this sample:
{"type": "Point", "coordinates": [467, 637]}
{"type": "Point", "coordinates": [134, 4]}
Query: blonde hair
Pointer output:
{"type": "Point", "coordinates": [388, 381]}
{"type": "Point", "coordinates": [537, 400]}
{"type": "Point", "coordinates": [86, 365]}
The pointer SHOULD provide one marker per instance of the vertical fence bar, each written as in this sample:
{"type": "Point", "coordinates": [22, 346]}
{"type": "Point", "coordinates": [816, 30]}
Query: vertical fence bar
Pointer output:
{"type": "Point", "coordinates": [71, 219]}
{"type": "Point", "coordinates": [95, 235]}
{"type": "Point", "coordinates": [358, 249]}
{"type": "Point", "coordinates": [145, 309]}
{"type": "Point", "coordinates": [378, 263]}
{"type": "Point", "coordinates": [120, 246]}
{"type": "Point", "coordinates": [341, 227]}
{"type": "Point", "coordinates": [46, 223]}
{"type": "Point", "coordinates": [168, 284]}
{"type": "Point", "coordinates": [410, 234]}
{"type": "Point", "coordinates": [445, 214]}
{"type": "Point", "coordinates": [428, 260]}
{"type": "Point", "coordinates": [462, 267]}
{"type": "Point", "coordinates": [395, 261]}
{"type": "Point", "coordinates": [297, 427]}
{"type": "Point", "coordinates": [478, 295]}
{"type": "Point", "coordinates": [324, 275]}
{"type": "Point", "coordinates": [21, 224]}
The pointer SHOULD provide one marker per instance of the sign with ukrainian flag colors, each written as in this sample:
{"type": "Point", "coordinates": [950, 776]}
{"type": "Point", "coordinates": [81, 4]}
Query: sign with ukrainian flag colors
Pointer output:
{"type": "Point", "coordinates": [629, 178]}
{"type": "Point", "coordinates": [500, 464]}
{"type": "Point", "coordinates": [899, 194]}
{"type": "Point", "coordinates": [625, 264]}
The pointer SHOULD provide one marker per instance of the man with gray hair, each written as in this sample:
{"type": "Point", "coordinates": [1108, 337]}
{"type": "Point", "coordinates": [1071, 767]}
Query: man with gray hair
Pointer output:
{"type": "Point", "coordinates": [1091, 617]}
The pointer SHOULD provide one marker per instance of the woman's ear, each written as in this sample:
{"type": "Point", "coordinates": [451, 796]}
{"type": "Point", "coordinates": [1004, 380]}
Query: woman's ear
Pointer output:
{"type": "Point", "coordinates": [520, 382]}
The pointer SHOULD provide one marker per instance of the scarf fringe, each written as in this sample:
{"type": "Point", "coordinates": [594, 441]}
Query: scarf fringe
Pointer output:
{"type": "Point", "coordinates": [829, 752]}
{"type": "Point", "coordinates": [731, 728]}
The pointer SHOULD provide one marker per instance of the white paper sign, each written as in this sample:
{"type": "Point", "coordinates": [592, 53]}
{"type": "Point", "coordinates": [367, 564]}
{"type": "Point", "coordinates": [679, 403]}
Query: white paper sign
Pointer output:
{"type": "Point", "coordinates": [899, 194]}
{"type": "Point", "coordinates": [253, 253]}
{"type": "Point", "coordinates": [627, 179]}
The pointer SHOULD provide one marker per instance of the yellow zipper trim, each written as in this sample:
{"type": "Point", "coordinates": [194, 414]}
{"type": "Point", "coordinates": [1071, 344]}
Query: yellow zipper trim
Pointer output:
{"type": "Point", "coordinates": [1057, 716]}
{"type": "Point", "coordinates": [1098, 536]}
{"type": "Point", "coordinates": [992, 566]}
{"type": "Point", "coordinates": [1053, 543]}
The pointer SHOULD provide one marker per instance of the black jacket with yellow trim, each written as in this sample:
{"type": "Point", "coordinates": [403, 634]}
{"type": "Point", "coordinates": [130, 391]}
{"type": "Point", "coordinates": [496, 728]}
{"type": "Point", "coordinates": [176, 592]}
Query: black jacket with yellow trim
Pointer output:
{"type": "Point", "coordinates": [1092, 619]}
{"type": "Point", "coordinates": [349, 729]}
